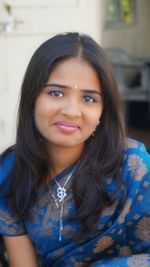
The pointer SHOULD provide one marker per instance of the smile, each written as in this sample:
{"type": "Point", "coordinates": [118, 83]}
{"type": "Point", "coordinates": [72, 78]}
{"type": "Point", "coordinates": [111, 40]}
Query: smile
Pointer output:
{"type": "Point", "coordinates": [67, 127]}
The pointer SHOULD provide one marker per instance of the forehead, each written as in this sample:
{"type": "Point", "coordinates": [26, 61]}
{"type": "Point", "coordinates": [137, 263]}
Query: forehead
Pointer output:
{"type": "Point", "coordinates": [74, 70]}
{"type": "Point", "coordinates": [72, 61]}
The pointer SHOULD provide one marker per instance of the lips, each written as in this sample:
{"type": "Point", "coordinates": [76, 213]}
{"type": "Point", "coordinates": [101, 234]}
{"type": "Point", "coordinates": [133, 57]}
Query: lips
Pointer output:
{"type": "Point", "coordinates": [66, 126]}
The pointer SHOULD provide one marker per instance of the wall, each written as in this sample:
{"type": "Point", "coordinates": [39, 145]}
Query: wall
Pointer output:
{"type": "Point", "coordinates": [134, 39]}
{"type": "Point", "coordinates": [40, 20]}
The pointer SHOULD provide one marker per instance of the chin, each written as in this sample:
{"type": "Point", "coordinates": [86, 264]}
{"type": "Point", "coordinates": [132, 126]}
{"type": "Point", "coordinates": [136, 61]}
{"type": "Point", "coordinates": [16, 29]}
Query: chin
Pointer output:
{"type": "Point", "coordinates": [66, 142]}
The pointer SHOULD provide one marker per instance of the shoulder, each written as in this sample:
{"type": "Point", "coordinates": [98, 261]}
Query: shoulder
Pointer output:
{"type": "Point", "coordinates": [6, 163]}
{"type": "Point", "coordinates": [136, 154]}
{"type": "Point", "coordinates": [131, 144]}
{"type": "Point", "coordinates": [135, 167]}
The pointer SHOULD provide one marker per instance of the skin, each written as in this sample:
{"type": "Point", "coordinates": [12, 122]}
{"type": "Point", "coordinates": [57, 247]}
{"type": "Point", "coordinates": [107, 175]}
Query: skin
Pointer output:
{"type": "Point", "coordinates": [66, 113]}
{"type": "Point", "coordinates": [72, 94]}
{"type": "Point", "coordinates": [21, 252]}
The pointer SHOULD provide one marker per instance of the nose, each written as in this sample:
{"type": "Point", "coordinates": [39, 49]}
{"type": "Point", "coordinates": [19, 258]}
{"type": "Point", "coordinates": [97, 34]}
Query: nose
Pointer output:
{"type": "Point", "coordinates": [71, 108]}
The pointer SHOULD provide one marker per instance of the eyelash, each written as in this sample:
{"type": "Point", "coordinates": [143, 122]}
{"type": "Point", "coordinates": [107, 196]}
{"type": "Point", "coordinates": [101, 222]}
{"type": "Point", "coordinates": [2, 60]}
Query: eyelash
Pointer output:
{"type": "Point", "coordinates": [55, 93]}
{"type": "Point", "coordinates": [59, 94]}
{"type": "Point", "coordinates": [91, 98]}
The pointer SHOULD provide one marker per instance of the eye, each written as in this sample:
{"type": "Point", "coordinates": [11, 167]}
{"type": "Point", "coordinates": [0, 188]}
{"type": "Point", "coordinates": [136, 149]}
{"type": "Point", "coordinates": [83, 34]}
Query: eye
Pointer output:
{"type": "Point", "coordinates": [56, 93]}
{"type": "Point", "coordinates": [88, 99]}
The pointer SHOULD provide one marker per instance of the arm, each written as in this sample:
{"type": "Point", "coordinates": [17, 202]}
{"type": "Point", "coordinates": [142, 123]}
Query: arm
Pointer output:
{"type": "Point", "coordinates": [21, 252]}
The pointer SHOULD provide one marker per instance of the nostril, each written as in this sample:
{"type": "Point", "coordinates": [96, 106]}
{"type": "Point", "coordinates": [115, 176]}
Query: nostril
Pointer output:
{"type": "Point", "coordinates": [71, 109]}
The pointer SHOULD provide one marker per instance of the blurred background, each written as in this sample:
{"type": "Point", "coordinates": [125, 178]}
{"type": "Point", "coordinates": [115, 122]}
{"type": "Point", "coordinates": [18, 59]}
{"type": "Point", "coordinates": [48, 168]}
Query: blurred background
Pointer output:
{"type": "Point", "coordinates": [120, 26]}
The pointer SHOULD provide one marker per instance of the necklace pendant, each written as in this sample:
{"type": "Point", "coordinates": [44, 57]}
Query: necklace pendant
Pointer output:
{"type": "Point", "coordinates": [61, 193]}
{"type": "Point", "coordinates": [56, 204]}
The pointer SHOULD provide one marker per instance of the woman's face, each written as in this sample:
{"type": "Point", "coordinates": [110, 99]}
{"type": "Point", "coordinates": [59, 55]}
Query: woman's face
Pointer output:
{"type": "Point", "coordinates": [68, 109]}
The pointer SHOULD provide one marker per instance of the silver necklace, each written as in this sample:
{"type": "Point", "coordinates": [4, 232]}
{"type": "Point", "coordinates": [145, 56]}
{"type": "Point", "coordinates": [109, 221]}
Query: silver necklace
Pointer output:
{"type": "Point", "coordinates": [59, 201]}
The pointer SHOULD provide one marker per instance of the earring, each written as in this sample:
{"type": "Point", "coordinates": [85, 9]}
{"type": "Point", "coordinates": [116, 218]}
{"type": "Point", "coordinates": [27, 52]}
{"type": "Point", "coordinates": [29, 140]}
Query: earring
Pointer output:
{"type": "Point", "coordinates": [96, 128]}
{"type": "Point", "coordinates": [98, 123]}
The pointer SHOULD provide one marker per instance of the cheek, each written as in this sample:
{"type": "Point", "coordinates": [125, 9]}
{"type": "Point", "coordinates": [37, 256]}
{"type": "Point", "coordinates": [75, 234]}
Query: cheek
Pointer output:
{"type": "Point", "coordinates": [44, 108]}
{"type": "Point", "coordinates": [95, 115]}
{"type": "Point", "coordinates": [40, 113]}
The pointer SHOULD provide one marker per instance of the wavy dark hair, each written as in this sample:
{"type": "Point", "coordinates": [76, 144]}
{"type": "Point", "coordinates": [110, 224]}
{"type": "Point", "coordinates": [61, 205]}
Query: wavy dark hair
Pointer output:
{"type": "Point", "coordinates": [103, 152]}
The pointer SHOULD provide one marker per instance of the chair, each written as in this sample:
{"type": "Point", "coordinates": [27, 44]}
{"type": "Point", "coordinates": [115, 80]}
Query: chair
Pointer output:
{"type": "Point", "coordinates": [132, 75]}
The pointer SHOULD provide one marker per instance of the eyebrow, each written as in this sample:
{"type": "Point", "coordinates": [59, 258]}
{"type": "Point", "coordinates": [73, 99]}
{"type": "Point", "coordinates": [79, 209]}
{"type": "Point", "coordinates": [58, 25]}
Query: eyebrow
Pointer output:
{"type": "Point", "coordinates": [90, 91]}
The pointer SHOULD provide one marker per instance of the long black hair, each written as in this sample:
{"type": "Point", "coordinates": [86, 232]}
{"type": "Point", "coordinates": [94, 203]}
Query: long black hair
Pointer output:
{"type": "Point", "coordinates": [103, 152]}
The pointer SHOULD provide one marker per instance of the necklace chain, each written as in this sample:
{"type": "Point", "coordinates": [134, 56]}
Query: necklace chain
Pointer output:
{"type": "Point", "coordinates": [61, 190]}
{"type": "Point", "coordinates": [59, 201]}
{"type": "Point", "coordinates": [53, 196]}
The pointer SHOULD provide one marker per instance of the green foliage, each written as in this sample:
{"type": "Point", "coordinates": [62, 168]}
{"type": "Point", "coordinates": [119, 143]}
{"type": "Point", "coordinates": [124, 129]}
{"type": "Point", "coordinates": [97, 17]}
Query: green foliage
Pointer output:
{"type": "Point", "coordinates": [119, 11]}
{"type": "Point", "coordinates": [8, 8]}
{"type": "Point", "coordinates": [126, 8]}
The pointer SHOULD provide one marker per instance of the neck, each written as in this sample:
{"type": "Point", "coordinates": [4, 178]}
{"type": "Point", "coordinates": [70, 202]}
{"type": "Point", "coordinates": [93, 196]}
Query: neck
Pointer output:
{"type": "Point", "coordinates": [61, 158]}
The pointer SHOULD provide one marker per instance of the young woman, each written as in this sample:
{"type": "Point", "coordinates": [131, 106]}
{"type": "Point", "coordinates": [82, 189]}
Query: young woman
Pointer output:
{"type": "Point", "coordinates": [74, 191]}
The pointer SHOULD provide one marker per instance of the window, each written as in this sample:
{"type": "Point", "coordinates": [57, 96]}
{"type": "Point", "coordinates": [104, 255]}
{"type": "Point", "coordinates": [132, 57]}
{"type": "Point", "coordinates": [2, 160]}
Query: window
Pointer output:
{"type": "Point", "coordinates": [119, 12]}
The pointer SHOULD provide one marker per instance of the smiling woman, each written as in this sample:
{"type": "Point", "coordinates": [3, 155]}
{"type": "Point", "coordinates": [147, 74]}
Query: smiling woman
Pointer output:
{"type": "Point", "coordinates": [67, 115]}
{"type": "Point", "coordinates": [74, 190]}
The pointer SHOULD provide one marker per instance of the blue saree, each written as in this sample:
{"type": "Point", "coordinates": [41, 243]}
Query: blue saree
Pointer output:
{"type": "Point", "coordinates": [122, 235]}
